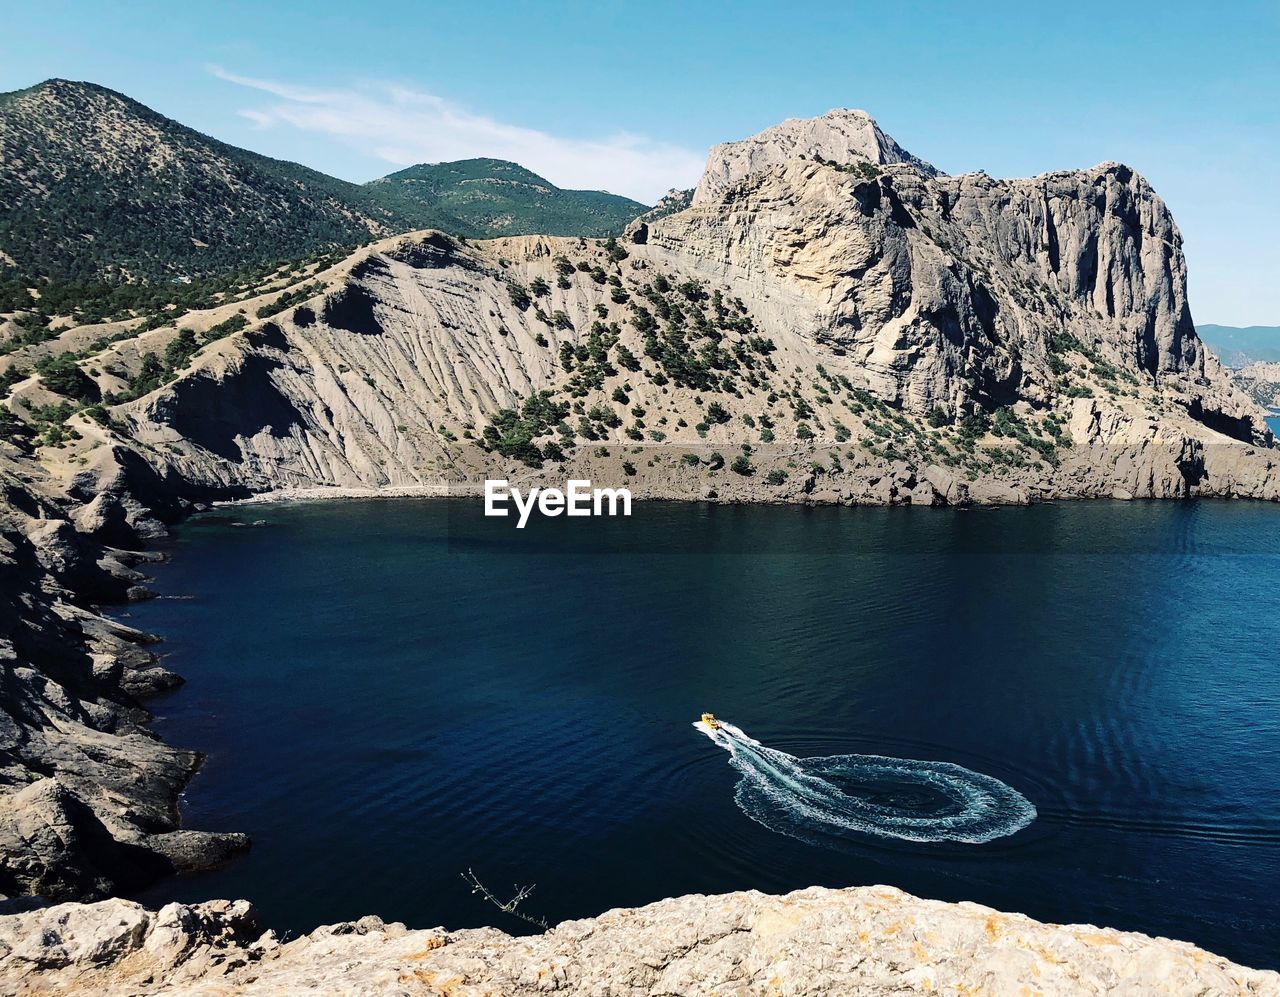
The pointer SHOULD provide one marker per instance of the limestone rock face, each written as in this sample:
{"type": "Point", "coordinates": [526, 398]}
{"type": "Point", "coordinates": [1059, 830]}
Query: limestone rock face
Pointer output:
{"type": "Point", "coordinates": [841, 136]}
{"type": "Point", "coordinates": [870, 279]}
{"type": "Point", "coordinates": [951, 291]}
{"type": "Point", "coordinates": [385, 380]}
{"type": "Point", "coordinates": [867, 940]}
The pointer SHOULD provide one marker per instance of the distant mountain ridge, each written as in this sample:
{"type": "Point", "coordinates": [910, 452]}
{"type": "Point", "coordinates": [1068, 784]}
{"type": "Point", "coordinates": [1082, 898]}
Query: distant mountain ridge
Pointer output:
{"type": "Point", "coordinates": [94, 184]}
{"type": "Point", "coordinates": [1261, 380]}
{"type": "Point", "coordinates": [1240, 346]}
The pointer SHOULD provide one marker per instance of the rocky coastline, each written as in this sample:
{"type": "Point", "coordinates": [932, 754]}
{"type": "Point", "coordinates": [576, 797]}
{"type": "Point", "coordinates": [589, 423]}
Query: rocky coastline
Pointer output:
{"type": "Point", "coordinates": [90, 802]}
{"type": "Point", "coordinates": [89, 807]}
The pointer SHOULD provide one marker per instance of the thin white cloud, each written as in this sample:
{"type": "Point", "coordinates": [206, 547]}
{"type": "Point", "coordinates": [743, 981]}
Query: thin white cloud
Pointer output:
{"type": "Point", "coordinates": [404, 126]}
{"type": "Point", "coordinates": [258, 118]}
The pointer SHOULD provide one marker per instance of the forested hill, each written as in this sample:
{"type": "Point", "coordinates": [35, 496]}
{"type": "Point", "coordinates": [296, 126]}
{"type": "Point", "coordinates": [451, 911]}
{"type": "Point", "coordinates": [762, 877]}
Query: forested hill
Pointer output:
{"type": "Point", "coordinates": [95, 186]}
{"type": "Point", "coordinates": [491, 197]}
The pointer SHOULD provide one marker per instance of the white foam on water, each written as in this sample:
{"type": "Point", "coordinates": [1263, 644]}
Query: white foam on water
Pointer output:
{"type": "Point", "coordinates": [816, 799]}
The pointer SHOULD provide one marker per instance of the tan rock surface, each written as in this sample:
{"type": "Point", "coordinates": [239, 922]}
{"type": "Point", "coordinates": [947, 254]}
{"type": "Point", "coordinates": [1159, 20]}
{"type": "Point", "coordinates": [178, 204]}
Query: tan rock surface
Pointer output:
{"type": "Point", "coordinates": [868, 940]}
{"type": "Point", "coordinates": [1059, 298]}
{"type": "Point", "coordinates": [841, 135]}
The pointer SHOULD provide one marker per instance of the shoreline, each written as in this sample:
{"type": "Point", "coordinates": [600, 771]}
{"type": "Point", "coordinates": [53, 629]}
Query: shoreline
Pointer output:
{"type": "Point", "coordinates": [326, 493]}
{"type": "Point", "coordinates": [283, 496]}
{"type": "Point", "coordinates": [213, 850]}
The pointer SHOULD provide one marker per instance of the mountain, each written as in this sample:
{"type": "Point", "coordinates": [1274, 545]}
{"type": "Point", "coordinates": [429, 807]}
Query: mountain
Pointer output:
{"type": "Point", "coordinates": [843, 136]}
{"type": "Point", "coordinates": [95, 185]}
{"type": "Point", "coordinates": [963, 292]}
{"type": "Point", "coordinates": [672, 201]}
{"type": "Point", "coordinates": [1252, 353]}
{"type": "Point", "coordinates": [871, 332]}
{"type": "Point", "coordinates": [482, 198]}
{"type": "Point", "coordinates": [1238, 346]}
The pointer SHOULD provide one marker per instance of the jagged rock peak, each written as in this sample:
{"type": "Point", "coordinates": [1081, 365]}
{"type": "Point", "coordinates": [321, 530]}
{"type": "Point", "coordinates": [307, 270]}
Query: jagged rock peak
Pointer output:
{"type": "Point", "coordinates": [842, 135]}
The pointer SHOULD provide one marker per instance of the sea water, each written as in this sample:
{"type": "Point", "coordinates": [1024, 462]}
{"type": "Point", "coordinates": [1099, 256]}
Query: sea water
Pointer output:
{"type": "Point", "coordinates": [1069, 710]}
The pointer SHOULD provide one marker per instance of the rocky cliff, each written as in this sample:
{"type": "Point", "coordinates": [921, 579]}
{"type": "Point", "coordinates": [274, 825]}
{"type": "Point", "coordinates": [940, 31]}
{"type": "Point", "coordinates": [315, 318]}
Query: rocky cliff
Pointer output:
{"type": "Point", "coordinates": [862, 330]}
{"type": "Point", "coordinates": [88, 796]}
{"type": "Point", "coordinates": [393, 376]}
{"type": "Point", "coordinates": [850, 323]}
{"type": "Point", "coordinates": [871, 940]}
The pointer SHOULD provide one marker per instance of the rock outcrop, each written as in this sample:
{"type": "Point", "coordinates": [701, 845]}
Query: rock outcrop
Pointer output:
{"type": "Point", "coordinates": [951, 291]}
{"type": "Point", "coordinates": [869, 940]}
{"type": "Point", "coordinates": [842, 136]}
{"type": "Point", "coordinates": [87, 794]}
{"type": "Point", "coordinates": [885, 368]}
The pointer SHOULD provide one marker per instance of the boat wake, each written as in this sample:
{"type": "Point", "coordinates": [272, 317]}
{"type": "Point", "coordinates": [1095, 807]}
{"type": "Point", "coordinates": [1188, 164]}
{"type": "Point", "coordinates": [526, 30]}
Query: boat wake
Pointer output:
{"type": "Point", "coordinates": [843, 796]}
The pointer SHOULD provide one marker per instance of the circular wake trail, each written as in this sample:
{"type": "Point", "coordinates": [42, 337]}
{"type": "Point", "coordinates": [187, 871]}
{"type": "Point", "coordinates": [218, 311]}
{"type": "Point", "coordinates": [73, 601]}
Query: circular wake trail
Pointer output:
{"type": "Point", "coordinates": [843, 796]}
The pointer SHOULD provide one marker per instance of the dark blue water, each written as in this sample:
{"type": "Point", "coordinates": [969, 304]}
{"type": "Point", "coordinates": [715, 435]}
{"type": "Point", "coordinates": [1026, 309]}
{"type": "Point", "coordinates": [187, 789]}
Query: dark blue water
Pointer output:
{"type": "Point", "coordinates": [393, 692]}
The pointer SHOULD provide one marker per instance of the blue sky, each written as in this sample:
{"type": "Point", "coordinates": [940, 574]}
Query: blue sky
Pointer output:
{"type": "Point", "coordinates": [627, 96]}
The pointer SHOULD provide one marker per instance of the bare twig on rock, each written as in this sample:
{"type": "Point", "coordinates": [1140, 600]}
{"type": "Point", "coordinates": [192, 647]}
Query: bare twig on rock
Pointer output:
{"type": "Point", "coordinates": [508, 906]}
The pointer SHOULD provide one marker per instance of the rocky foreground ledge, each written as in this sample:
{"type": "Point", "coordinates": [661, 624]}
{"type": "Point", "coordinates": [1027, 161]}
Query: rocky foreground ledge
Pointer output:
{"type": "Point", "coordinates": [873, 939]}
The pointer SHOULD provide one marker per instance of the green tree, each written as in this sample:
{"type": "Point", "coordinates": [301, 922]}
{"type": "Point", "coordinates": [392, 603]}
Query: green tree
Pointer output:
{"type": "Point", "coordinates": [614, 251]}
{"type": "Point", "coordinates": [150, 376]}
{"type": "Point", "coordinates": [717, 413]}
{"type": "Point", "coordinates": [519, 295]}
{"type": "Point", "coordinates": [61, 374]}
